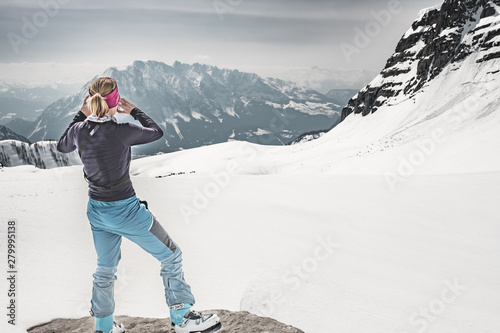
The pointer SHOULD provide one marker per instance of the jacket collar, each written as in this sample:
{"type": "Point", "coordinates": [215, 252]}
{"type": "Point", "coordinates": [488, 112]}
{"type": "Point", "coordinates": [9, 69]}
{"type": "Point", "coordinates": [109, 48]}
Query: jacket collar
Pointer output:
{"type": "Point", "coordinates": [104, 119]}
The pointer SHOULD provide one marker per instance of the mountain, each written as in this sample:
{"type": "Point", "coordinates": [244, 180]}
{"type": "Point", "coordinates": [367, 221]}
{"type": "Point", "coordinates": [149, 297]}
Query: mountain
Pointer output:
{"type": "Point", "coordinates": [308, 136]}
{"type": "Point", "coordinates": [440, 40]}
{"type": "Point", "coordinates": [20, 126]}
{"type": "Point", "coordinates": [325, 79]}
{"type": "Point", "coordinates": [199, 105]}
{"type": "Point", "coordinates": [341, 96]}
{"type": "Point", "coordinates": [42, 154]}
{"type": "Point", "coordinates": [7, 134]}
{"type": "Point", "coordinates": [18, 101]}
{"type": "Point", "coordinates": [389, 221]}
{"type": "Point", "coordinates": [455, 45]}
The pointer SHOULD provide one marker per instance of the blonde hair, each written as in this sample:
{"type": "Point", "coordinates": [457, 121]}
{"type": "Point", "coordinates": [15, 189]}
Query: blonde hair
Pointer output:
{"type": "Point", "coordinates": [100, 87]}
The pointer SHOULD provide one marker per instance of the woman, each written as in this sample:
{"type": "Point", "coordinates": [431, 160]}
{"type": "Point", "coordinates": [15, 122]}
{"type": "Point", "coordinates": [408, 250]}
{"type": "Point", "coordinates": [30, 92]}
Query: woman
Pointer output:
{"type": "Point", "coordinates": [114, 210]}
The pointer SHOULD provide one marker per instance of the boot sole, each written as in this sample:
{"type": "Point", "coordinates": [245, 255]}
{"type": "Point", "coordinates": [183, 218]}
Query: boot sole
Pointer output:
{"type": "Point", "coordinates": [214, 328]}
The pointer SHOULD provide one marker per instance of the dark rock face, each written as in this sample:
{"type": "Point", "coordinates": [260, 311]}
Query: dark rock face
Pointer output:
{"type": "Point", "coordinates": [439, 37]}
{"type": "Point", "coordinates": [241, 321]}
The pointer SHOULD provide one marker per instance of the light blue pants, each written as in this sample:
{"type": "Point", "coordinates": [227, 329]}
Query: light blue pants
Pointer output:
{"type": "Point", "coordinates": [110, 221]}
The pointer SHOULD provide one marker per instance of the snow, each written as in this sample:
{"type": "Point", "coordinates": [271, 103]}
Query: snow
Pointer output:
{"type": "Point", "coordinates": [274, 105]}
{"type": "Point", "coordinates": [261, 131]}
{"type": "Point", "coordinates": [21, 153]}
{"type": "Point", "coordinates": [196, 115]}
{"type": "Point", "coordinates": [449, 31]}
{"type": "Point", "coordinates": [9, 115]}
{"type": "Point", "coordinates": [232, 136]}
{"type": "Point", "coordinates": [411, 31]}
{"type": "Point", "coordinates": [245, 101]}
{"type": "Point", "coordinates": [387, 223]}
{"type": "Point", "coordinates": [253, 221]}
{"type": "Point", "coordinates": [312, 108]}
{"type": "Point", "coordinates": [174, 122]}
{"type": "Point", "coordinates": [182, 116]}
{"type": "Point", "coordinates": [230, 111]}
{"type": "Point", "coordinates": [424, 12]}
{"type": "Point", "coordinates": [259, 245]}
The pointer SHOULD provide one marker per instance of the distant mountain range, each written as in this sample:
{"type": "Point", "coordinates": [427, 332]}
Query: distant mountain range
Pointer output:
{"type": "Point", "coordinates": [198, 105]}
{"type": "Point", "coordinates": [448, 57]}
{"type": "Point", "coordinates": [340, 96]}
{"type": "Point", "coordinates": [27, 102]}
{"type": "Point", "coordinates": [326, 79]}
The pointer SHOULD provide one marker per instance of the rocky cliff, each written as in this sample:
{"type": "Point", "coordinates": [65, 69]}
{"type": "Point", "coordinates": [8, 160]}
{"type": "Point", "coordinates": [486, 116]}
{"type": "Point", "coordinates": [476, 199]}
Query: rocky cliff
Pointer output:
{"type": "Point", "coordinates": [42, 154]}
{"type": "Point", "coordinates": [441, 36]}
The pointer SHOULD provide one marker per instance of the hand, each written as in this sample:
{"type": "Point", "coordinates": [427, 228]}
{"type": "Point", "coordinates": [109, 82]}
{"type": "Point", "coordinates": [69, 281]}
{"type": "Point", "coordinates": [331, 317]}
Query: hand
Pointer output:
{"type": "Point", "coordinates": [85, 108]}
{"type": "Point", "coordinates": [125, 106]}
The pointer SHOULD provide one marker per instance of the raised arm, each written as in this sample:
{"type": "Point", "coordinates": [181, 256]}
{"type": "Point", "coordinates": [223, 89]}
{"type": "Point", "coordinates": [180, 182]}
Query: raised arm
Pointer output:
{"type": "Point", "coordinates": [149, 132]}
{"type": "Point", "coordinates": [66, 143]}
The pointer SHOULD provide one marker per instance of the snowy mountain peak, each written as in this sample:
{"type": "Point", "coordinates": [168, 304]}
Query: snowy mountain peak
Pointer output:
{"type": "Point", "coordinates": [442, 38]}
{"type": "Point", "coordinates": [198, 104]}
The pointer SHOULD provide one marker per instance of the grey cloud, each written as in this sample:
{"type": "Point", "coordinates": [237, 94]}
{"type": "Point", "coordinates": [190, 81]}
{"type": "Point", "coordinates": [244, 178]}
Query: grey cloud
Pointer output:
{"type": "Point", "coordinates": [268, 32]}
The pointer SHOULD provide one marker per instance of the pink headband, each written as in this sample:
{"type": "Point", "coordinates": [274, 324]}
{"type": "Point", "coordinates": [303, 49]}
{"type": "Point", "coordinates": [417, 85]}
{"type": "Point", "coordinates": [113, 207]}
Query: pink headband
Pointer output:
{"type": "Point", "coordinates": [112, 98]}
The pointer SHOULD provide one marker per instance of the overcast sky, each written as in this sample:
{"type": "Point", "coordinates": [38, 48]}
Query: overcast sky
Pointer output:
{"type": "Point", "coordinates": [77, 39]}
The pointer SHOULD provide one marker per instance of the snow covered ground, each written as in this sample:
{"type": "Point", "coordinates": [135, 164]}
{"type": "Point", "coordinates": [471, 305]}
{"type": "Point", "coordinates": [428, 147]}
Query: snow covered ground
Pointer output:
{"type": "Point", "coordinates": [388, 223]}
{"type": "Point", "coordinates": [325, 253]}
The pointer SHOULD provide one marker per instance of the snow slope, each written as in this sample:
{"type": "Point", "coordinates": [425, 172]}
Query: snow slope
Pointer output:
{"type": "Point", "coordinates": [450, 127]}
{"type": "Point", "coordinates": [325, 253]}
{"type": "Point", "coordinates": [387, 223]}
{"type": "Point", "coordinates": [334, 235]}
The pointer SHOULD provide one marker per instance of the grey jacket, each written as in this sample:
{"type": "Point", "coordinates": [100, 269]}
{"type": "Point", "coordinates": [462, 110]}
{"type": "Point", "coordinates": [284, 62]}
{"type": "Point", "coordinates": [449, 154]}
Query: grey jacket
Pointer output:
{"type": "Point", "coordinates": [106, 155]}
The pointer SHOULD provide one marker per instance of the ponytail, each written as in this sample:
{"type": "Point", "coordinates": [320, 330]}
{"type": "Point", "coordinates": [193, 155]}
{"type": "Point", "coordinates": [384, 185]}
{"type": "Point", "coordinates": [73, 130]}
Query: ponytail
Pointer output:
{"type": "Point", "coordinates": [99, 88]}
{"type": "Point", "coordinates": [98, 105]}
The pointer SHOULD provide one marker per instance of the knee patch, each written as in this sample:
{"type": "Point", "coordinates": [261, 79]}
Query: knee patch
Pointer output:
{"type": "Point", "coordinates": [159, 232]}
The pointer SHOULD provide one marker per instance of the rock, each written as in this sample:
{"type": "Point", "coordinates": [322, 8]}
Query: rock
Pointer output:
{"type": "Point", "coordinates": [440, 37]}
{"type": "Point", "coordinates": [42, 154]}
{"type": "Point", "coordinates": [241, 321]}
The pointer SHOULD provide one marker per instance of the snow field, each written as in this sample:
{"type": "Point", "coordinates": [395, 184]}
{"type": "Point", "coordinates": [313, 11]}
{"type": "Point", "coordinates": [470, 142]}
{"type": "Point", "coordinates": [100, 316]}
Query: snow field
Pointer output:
{"type": "Point", "coordinates": [259, 245]}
